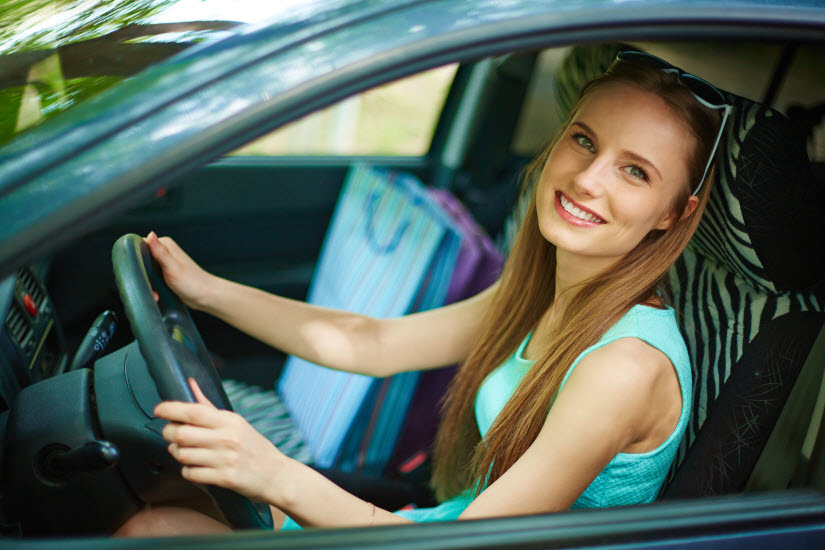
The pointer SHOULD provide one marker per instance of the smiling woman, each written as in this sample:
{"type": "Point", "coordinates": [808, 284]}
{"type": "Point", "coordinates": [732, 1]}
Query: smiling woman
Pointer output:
{"type": "Point", "coordinates": [605, 156]}
{"type": "Point", "coordinates": [569, 283]}
{"type": "Point", "coordinates": [594, 343]}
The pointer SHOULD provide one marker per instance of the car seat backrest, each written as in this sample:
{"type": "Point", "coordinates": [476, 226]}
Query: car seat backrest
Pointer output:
{"type": "Point", "coordinates": [747, 290]}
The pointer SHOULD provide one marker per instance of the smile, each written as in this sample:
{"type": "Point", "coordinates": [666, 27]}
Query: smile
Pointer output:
{"type": "Point", "coordinates": [578, 213]}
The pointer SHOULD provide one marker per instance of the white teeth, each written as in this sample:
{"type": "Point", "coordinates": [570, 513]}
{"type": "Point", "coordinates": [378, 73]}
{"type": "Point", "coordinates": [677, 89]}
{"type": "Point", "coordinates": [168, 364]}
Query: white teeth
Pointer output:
{"type": "Point", "coordinates": [582, 215]}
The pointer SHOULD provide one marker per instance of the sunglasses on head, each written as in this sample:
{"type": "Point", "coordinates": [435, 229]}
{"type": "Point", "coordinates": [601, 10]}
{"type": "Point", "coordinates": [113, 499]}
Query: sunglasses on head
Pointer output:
{"type": "Point", "coordinates": [705, 93]}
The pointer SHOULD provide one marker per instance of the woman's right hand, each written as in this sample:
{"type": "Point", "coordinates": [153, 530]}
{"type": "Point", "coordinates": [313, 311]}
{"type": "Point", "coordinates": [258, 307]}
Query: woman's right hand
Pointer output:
{"type": "Point", "coordinates": [185, 277]}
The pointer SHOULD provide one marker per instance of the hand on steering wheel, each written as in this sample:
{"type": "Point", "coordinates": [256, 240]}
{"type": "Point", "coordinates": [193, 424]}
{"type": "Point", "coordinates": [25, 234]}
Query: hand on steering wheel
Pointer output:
{"type": "Point", "coordinates": [185, 278]}
{"type": "Point", "coordinates": [173, 350]}
{"type": "Point", "coordinates": [220, 447]}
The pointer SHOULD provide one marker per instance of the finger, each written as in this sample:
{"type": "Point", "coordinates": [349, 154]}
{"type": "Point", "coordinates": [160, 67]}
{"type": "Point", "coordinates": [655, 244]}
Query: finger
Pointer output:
{"type": "Point", "coordinates": [158, 248]}
{"type": "Point", "coordinates": [150, 238]}
{"type": "Point", "coordinates": [196, 456]}
{"type": "Point", "coordinates": [204, 475]}
{"type": "Point", "coordinates": [189, 413]}
{"type": "Point", "coordinates": [199, 395]}
{"type": "Point", "coordinates": [170, 245]}
{"type": "Point", "coordinates": [186, 435]}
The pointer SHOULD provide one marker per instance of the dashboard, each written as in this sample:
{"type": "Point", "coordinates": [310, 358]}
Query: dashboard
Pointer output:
{"type": "Point", "coordinates": [32, 347]}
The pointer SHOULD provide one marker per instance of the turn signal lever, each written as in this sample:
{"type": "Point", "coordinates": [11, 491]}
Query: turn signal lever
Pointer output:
{"type": "Point", "coordinates": [95, 341]}
{"type": "Point", "coordinates": [59, 463]}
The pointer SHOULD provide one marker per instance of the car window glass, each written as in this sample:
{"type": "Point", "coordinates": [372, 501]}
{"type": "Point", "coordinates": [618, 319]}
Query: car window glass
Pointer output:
{"type": "Point", "coordinates": [802, 97]}
{"type": "Point", "coordinates": [744, 68]}
{"type": "Point", "coordinates": [539, 119]}
{"type": "Point", "coordinates": [396, 119]}
{"type": "Point", "coordinates": [55, 54]}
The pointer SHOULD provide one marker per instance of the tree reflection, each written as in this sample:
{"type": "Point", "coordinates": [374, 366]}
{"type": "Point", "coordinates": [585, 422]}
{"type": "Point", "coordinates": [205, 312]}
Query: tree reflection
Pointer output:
{"type": "Point", "coordinates": [42, 24]}
{"type": "Point", "coordinates": [54, 54]}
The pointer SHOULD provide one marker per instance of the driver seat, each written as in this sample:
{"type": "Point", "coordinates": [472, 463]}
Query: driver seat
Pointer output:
{"type": "Point", "coordinates": [749, 290]}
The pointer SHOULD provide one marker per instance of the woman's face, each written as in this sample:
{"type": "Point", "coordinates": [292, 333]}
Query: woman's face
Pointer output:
{"type": "Point", "coordinates": [614, 174]}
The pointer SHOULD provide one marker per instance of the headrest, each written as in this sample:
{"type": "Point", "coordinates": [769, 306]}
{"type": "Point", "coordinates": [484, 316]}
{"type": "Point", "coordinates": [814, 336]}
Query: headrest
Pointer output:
{"type": "Point", "coordinates": [763, 220]}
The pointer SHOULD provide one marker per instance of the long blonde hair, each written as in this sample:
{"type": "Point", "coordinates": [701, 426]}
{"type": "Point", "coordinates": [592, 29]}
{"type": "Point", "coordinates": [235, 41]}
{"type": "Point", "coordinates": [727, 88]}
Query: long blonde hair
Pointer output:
{"type": "Point", "coordinates": [462, 460]}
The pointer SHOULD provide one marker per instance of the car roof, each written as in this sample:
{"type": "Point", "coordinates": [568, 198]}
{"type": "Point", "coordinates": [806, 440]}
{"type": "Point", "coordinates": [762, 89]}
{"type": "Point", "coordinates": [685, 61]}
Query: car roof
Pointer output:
{"type": "Point", "coordinates": [70, 173]}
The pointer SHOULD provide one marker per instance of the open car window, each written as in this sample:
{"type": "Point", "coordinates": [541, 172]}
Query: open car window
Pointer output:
{"type": "Point", "coordinates": [396, 119]}
{"type": "Point", "coordinates": [778, 75]}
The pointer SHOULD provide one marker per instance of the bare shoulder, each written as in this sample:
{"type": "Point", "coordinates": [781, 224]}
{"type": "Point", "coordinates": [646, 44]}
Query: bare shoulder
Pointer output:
{"type": "Point", "coordinates": [629, 362]}
{"type": "Point", "coordinates": [636, 382]}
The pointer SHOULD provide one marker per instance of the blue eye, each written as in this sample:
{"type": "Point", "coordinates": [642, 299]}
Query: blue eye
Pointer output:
{"type": "Point", "coordinates": [584, 141]}
{"type": "Point", "coordinates": [636, 172]}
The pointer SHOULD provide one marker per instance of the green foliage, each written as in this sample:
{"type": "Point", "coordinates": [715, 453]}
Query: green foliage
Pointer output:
{"type": "Point", "coordinates": [59, 22]}
{"type": "Point", "coordinates": [35, 35]}
{"type": "Point", "coordinates": [9, 107]}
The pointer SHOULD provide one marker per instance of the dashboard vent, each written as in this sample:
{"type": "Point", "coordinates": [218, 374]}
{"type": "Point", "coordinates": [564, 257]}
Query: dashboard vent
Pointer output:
{"type": "Point", "coordinates": [18, 325]}
{"type": "Point", "coordinates": [30, 286]}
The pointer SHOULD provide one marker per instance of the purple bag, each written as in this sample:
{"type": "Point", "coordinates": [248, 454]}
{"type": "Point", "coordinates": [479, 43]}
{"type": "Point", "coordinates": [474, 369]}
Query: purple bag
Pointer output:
{"type": "Point", "coordinates": [478, 266]}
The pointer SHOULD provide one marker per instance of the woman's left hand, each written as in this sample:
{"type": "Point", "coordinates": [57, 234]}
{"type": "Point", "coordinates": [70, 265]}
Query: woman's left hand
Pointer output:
{"type": "Point", "coordinates": [219, 447]}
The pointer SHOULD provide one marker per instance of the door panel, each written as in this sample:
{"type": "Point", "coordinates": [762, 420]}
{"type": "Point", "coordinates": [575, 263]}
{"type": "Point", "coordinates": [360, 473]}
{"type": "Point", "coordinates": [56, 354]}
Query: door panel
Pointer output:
{"type": "Point", "coordinates": [256, 220]}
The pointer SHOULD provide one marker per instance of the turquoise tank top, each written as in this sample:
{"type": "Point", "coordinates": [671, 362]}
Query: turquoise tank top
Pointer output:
{"type": "Point", "coordinates": [629, 478]}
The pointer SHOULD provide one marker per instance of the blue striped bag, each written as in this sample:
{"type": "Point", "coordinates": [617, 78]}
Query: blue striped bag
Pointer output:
{"type": "Point", "coordinates": [387, 252]}
{"type": "Point", "coordinates": [372, 442]}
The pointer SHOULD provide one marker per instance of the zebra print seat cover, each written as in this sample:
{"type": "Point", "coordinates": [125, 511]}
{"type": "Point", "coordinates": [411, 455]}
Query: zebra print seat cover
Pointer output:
{"type": "Point", "coordinates": [747, 290]}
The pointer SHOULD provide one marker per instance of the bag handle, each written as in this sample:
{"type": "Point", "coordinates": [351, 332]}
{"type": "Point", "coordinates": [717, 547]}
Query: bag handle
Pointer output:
{"type": "Point", "coordinates": [371, 233]}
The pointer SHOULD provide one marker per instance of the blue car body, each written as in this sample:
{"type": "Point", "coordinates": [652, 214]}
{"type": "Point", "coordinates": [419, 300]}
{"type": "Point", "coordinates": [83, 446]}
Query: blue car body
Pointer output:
{"type": "Point", "coordinates": [80, 169]}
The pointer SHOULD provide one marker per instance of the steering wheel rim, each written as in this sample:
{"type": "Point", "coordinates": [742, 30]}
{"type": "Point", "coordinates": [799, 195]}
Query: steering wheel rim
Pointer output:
{"type": "Point", "coordinates": [174, 350]}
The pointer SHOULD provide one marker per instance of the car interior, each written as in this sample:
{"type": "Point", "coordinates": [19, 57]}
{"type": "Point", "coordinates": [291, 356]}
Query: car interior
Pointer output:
{"type": "Point", "coordinates": [748, 290]}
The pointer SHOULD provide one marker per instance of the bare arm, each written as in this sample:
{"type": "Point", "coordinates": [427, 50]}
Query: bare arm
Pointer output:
{"type": "Point", "coordinates": [603, 409]}
{"type": "Point", "coordinates": [333, 338]}
{"type": "Point", "coordinates": [611, 403]}
{"type": "Point", "coordinates": [348, 341]}
{"type": "Point", "coordinates": [219, 447]}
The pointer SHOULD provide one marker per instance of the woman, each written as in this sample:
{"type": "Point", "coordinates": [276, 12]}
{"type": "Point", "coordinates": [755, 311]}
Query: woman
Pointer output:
{"type": "Point", "coordinates": [614, 199]}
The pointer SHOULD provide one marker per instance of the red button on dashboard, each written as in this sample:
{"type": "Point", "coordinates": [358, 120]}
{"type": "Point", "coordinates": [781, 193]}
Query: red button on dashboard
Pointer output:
{"type": "Point", "coordinates": [30, 305]}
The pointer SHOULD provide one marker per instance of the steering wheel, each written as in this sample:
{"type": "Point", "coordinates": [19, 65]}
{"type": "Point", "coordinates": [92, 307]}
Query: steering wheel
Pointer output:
{"type": "Point", "coordinates": [174, 351]}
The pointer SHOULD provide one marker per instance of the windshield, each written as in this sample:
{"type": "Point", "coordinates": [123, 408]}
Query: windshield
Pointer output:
{"type": "Point", "coordinates": [56, 53]}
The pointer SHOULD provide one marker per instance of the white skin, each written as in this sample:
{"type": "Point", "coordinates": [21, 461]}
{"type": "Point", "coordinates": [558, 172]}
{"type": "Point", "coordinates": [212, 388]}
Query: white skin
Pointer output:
{"type": "Point", "coordinates": [624, 397]}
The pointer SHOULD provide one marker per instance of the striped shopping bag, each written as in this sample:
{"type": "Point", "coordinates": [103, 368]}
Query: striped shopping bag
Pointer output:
{"type": "Point", "coordinates": [479, 265]}
{"type": "Point", "coordinates": [394, 434]}
{"type": "Point", "coordinates": [388, 251]}
{"type": "Point", "coordinates": [372, 443]}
